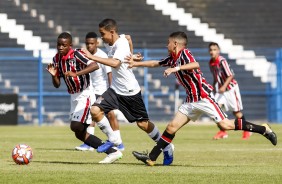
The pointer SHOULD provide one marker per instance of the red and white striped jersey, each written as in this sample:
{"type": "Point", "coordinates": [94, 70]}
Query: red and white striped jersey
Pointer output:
{"type": "Point", "coordinates": [221, 70]}
{"type": "Point", "coordinates": [193, 81]}
{"type": "Point", "coordinates": [74, 61]}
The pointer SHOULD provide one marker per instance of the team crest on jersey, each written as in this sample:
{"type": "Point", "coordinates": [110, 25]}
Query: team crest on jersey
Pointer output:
{"type": "Point", "coordinates": [99, 100]}
{"type": "Point", "coordinates": [71, 62]}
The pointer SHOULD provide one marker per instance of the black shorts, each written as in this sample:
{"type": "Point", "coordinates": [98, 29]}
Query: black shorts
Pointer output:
{"type": "Point", "coordinates": [132, 107]}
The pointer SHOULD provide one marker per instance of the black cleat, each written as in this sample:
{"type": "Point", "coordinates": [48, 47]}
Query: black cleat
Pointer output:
{"type": "Point", "coordinates": [269, 134]}
{"type": "Point", "coordinates": [144, 157]}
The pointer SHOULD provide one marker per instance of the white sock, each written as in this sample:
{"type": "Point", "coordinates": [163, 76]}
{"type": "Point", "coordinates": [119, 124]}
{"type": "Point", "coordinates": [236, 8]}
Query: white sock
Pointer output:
{"type": "Point", "coordinates": [90, 130]}
{"type": "Point", "coordinates": [118, 136]}
{"type": "Point", "coordinates": [155, 134]}
{"type": "Point", "coordinates": [105, 127]}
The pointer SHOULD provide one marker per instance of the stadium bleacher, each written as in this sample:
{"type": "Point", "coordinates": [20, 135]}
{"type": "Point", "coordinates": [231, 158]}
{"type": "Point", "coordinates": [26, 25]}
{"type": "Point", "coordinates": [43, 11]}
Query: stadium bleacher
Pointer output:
{"type": "Point", "coordinates": [149, 29]}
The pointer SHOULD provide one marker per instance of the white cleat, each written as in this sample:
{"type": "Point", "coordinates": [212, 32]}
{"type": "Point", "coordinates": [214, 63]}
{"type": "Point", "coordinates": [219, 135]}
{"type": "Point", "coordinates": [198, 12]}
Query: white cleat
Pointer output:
{"type": "Point", "coordinates": [84, 147]}
{"type": "Point", "coordinates": [112, 157]}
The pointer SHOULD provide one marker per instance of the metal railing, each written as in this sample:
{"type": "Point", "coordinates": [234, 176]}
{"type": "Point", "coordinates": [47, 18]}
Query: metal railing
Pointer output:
{"type": "Point", "coordinates": [274, 95]}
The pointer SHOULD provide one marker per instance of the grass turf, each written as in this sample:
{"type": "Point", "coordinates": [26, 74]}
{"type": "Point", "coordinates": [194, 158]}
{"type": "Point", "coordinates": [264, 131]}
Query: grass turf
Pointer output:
{"type": "Point", "coordinates": [198, 159]}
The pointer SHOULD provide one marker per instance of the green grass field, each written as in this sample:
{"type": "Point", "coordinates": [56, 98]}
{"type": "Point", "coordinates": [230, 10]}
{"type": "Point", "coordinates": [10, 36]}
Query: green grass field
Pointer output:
{"type": "Point", "coordinates": [198, 158]}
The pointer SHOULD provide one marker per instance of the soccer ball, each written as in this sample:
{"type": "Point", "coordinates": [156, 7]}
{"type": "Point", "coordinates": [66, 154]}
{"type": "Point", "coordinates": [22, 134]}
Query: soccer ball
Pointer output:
{"type": "Point", "coordinates": [22, 154]}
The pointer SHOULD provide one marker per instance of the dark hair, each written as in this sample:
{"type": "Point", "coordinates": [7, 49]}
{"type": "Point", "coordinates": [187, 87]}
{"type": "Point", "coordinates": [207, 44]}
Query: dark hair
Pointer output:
{"type": "Point", "coordinates": [91, 35]}
{"type": "Point", "coordinates": [180, 36]}
{"type": "Point", "coordinates": [108, 24]}
{"type": "Point", "coordinates": [214, 44]}
{"type": "Point", "coordinates": [65, 35]}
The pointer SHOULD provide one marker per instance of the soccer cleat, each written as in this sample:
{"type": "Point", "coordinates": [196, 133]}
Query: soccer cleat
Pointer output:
{"type": "Point", "coordinates": [246, 135]}
{"type": "Point", "coordinates": [269, 134]}
{"type": "Point", "coordinates": [112, 157]}
{"type": "Point", "coordinates": [220, 135]}
{"type": "Point", "coordinates": [120, 147]}
{"type": "Point", "coordinates": [144, 157]}
{"type": "Point", "coordinates": [84, 147]}
{"type": "Point", "coordinates": [168, 154]}
{"type": "Point", "coordinates": [104, 147]}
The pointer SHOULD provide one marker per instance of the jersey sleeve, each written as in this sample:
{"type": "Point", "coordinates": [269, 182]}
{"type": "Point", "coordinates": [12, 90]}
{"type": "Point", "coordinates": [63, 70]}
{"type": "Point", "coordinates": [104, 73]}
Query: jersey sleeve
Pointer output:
{"type": "Point", "coordinates": [81, 57]}
{"type": "Point", "coordinates": [226, 68]}
{"type": "Point", "coordinates": [166, 61]}
{"type": "Point", "coordinates": [122, 50]}
{"type": "Point", "coordinates": [107, 69]}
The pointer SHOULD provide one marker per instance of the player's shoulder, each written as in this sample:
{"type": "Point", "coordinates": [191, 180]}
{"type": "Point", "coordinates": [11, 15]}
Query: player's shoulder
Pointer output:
{"type": "Point", "coordinates": [78, 51]}
{"type": "Point", "coordinates": [221, 59]}
{"type": "Point", "coordinates": [101, 53]}
{"type": "Point", "coordinates": [122, 40]}
{"type": "Point", "coordinates": [186, 51]}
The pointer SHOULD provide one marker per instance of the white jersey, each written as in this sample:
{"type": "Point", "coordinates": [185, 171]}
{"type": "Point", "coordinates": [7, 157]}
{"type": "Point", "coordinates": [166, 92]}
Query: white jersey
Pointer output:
{"type": "Point", "coordinates": [124, 81]}
{"type": "Point", "coordinates": [99, 78]}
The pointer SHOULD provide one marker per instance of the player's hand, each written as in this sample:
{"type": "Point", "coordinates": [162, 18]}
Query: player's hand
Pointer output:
{"type": "Point", "coordinates": [70, 74]}
{"type": "Point", "coordinates": [52, 69]}
{"type": "Point", "coordinates": [129, 61]}
{"type": "Point", "coordinates": [169, 71]}
{"type": "Point", "coordinates": [86, 53]}
{"type": "Point", "coordinates": [137, 57]}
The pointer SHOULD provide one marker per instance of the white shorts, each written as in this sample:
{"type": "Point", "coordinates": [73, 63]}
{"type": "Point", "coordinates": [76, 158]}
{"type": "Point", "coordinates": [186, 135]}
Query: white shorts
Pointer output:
{"type": "Point", "coordinates": [221, 100]}
{"type": "Point", "coordinates": [206, 106]}
{"type": "Point", "coordinates": [80, 106]}
{"type": "Point", "coordinates": [231, 100]}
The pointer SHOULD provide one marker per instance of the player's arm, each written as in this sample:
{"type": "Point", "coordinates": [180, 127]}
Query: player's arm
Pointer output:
{"type": "Point", "coordinates": [128, 37]}
{"type": "Point", "coordinates": [92, 66]}
{"type": "Point", "coordinates": [226, 83]}
{"type": "Point", "coordinates": [188, 66]}
{"type": "Point", "coordinates": [110, 77]}
{"type": "Point", "coordinates": [149, 63]}
{"type": "Point", "coordinates": [55, 78]}
{"type": "Point", "coordinates": [112, 62]}
{"type": "Point", "coordinates": [225, 67]}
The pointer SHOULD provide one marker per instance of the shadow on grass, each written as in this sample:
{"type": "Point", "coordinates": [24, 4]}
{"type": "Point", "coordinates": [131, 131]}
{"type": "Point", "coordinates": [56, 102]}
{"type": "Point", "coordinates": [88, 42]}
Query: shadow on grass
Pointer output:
{"type": "Point", "coordinates": [62, 162]}
{"type": "Point", "coordinates": [57, 149]}
{"type": "Point", "coordinates": [135, 164]}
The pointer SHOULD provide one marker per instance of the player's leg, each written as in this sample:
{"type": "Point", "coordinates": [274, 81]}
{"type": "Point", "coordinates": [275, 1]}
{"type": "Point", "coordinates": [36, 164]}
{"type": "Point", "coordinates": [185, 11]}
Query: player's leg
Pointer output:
{"type": "Point", "coordinates": [220, 99]}
{"type": "Point", "coordinates": [133, 108]}
{"type": "Point", "coordinates": [236, 106]}
{"type": "Point", "coordinates": [115, 126]}
{"type": "Point", "coordinates": [84, 147]}
{"type": "Point", "coordinates": [211, 108]}
{"type": "Point", "coordinates": [91, 126]}
{"type": "Point", "coordinates": [102, 105]}
{"type": "Point", "coordinates": [91, 140]}
{"type": "Point", "coordinates": [239, 115]}
{"type": "Point", "coordinates": [178, 121]}
{"type": "Point", "coordinates": [105, 104]}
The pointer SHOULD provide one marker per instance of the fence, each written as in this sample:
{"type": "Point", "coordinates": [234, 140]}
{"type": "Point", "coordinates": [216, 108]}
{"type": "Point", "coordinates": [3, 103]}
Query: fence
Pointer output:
{"type": "Point", "coordinates": [274, 95]}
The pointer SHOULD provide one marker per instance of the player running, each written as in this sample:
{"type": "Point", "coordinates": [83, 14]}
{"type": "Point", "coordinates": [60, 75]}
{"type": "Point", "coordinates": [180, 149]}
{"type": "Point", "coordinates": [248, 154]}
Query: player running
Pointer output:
{"type": "Point", "coordinates": [182, 64]}
{"type": "Point", "coordinates": [101, 79]}
{"type": "Point", "coordinates": [74, 68]}
{"type": "Point", "coordinates": [124, 93]}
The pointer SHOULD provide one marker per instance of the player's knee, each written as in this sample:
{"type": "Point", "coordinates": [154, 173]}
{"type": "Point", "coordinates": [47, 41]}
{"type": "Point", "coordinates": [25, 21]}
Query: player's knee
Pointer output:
{"type": "Point", "coordinates": [226, 124]}
{"type": "Point", "coordinates": [170, 128]}
{"type": "Point", "coordinates": [95, 112]}
{"type": "Point", "coordinates": [143, 125]}
{"type": "Point", "coordinates": [76, 127]}
{"type": "Point", "coordinates": [111, 115]}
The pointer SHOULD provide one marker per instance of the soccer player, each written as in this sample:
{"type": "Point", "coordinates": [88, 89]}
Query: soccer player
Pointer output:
{"type": "Point", "coordinates": [124, 93]}
{"type": "Point", "coordinates": [101, 79]}
{"type": "Point", "coordinates": [182, 64]}
{"type": "Point", "coordinates": [228, 93]}
{"type": "Point", "coordinates": [74, 68]}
